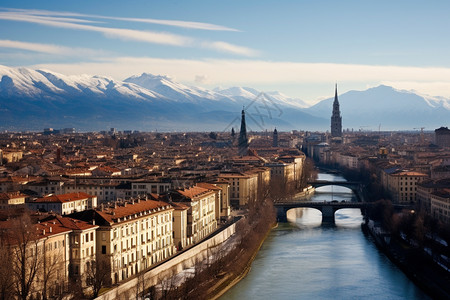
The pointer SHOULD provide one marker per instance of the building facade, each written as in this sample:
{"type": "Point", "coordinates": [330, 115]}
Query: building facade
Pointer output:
{"type": "Point", "coordinates": [440, 205]}
{"type": "Point", "coordinates": [442, 137]}
{"type": "Point", "coordinates": [132, 235]}
{"type": "Point", "coordinates": [201, 215]}
{"type": "Point", "coordinates": [402, 185]}
{"type": "Point", "coordinates": [243, 187]}
{"type": "Point", "coordinates": [64, 204]}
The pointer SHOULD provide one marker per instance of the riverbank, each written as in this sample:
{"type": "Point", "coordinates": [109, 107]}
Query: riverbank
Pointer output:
{"type": "Point", "coordinates": [415, 265]}
{"type": "Point", "coordinates": [231, 280]}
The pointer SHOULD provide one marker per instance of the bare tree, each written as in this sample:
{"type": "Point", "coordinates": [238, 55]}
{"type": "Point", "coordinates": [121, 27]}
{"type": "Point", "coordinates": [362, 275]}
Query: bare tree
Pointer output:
{"type": "Point", "coordinates": [6, 274]}
{"type": "Point", "coordinates": [168, 285]}
{"type": "Point", "coordinates": [307, 173]}
{"type": "Point", "coordinates": [26, 256]}
{"type": "Point", "coordinates": [52, 263]}
{"type": "Point", "coordinates": [97, 275]}
{"type": "Point", "coordinates": [140, 284]}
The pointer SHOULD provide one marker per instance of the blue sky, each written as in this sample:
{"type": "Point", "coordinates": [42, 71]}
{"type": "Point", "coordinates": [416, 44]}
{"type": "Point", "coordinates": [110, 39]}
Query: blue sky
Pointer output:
{"type": "Point", "coordinates": [300, 48]}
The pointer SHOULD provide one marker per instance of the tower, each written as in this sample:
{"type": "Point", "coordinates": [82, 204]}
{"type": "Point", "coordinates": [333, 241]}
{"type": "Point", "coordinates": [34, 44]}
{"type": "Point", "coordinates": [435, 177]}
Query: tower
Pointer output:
{"type": "Point", "coordinates": [243, 141]}
{"type": "Point", "coordinates": [275, 138]}
{"type": "Point", "coordinates": [336, 119]}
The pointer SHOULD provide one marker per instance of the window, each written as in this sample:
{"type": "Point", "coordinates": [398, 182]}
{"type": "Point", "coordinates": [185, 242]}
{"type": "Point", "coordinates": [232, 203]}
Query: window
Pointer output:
{"type": "Point", "coordinates": [103, 249]}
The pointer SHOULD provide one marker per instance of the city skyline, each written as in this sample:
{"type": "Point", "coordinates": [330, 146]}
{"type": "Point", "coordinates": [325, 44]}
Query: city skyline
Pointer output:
{"type": "Point", "coordinates": [296, 48]}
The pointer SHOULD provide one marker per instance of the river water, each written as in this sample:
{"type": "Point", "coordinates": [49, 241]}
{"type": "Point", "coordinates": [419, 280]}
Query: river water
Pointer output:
{"type": "Point", "coordinates": [304, 259]}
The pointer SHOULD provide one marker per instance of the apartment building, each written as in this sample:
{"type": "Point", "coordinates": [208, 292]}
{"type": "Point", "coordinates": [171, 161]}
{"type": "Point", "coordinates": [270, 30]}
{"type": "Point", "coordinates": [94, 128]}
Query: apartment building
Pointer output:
{"type": "Point", "coordinates": [402, 185]}
{"type": "Point", "coordinates": [145, 186]}
{"type": "Point", "coordinates": [426, 188]}
{"type": "Point", "coordinates": [50, 185]}
{"type": "Point", "coordinates": [201, 215]}
{"type": "Point", "coordinates": [243, 187]}
{"type": "Point", "coordinates": [10, 200]}
{"type": "Point", "coordinates": [81, 244]}
{"type": "Point", "coordinates": [105, 192]}
{"type": "Point", "coordinates": [440, 205]}
{"type": "Point", "coordinates": [64, 204]}
{"type": "Point", "coordinates": [132, 235]}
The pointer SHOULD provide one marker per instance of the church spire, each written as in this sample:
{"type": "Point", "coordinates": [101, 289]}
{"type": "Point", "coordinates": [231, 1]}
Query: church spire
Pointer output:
{"type": "Point", "coordinates": [335, 93]}
{"type": "Point", "coordinates": [243, 141]}
{"type": "Point", "coordinates": [336, 119]}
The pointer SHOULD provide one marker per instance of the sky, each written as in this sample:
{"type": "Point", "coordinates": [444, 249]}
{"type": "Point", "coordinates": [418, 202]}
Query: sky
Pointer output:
{"type": "Point", "coordinates": [300, 48]}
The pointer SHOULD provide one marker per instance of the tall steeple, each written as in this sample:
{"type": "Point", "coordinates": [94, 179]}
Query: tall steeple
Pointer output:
{"type": "Point", "coordinates": [243, 141]}
{"type": "Point", "coordinates": [336, 119]}
{"type": "Point", "coordinates": [275, 138]}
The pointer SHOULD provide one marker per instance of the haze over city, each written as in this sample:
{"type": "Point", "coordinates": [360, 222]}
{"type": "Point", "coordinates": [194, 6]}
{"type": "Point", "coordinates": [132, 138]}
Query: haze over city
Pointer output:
{"type": "Point", "coordinates": [298, 48]}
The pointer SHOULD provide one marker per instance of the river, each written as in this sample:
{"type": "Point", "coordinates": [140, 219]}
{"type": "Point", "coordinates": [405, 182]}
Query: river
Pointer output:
{"type": "Point", "coordinates": [304, 259]}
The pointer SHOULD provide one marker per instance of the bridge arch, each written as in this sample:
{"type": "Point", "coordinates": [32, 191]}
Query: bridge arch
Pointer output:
{"type": "Point", "coordinates": [354, 186]}
{"type": "Point", "coordinates": [328, 209]}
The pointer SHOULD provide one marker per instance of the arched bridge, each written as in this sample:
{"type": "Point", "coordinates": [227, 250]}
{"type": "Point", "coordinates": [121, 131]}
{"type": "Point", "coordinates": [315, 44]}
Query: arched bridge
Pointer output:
{"type": "Point", "coordinates": [326, 207]}
{"type": "Point", "coordinates": [355, 186]}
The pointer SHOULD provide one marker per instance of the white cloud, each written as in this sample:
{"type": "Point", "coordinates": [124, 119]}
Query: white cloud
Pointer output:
{"type": "Point", "coordinates": [175, 23]}
{"type": "Point", "coordinates": [230, 48]}
{"type": "Point", "coordinates": [129, 34]}
{"type": "Point", "coordinates": [50, 49]}
{"type": "Point", "coordinates": [269, 74]}
{"type": "Point", "coordinates": [126, 34]}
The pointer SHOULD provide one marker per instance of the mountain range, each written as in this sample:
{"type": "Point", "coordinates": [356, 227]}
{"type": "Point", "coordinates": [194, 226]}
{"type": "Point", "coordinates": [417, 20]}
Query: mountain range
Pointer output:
{"type": "Point", "coordinates": [35, 99]}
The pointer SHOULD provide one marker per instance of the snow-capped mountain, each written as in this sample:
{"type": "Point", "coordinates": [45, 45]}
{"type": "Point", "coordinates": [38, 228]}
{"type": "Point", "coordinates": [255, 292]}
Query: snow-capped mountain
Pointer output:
{"type": "Point", "coordinates": [34, 99]}
{"type": "Point", "coordinates": [250, 93]}
{"type": "Point", "coordinates": [175, 91]}
{"type": "Point", "coordinates": [36, 83]}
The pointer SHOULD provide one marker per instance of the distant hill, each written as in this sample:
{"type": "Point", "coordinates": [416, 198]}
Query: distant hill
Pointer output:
{"type": "Point", "coordinates": [393, 109]}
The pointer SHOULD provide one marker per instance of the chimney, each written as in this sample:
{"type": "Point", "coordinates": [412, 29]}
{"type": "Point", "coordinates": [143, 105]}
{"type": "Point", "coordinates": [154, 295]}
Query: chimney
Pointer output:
{"type": "Point", "coordinates": [50, 229]}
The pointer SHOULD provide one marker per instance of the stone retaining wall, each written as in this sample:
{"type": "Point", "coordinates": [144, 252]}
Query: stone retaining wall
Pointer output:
{"type": "Point", "coordinates": [186, 259]}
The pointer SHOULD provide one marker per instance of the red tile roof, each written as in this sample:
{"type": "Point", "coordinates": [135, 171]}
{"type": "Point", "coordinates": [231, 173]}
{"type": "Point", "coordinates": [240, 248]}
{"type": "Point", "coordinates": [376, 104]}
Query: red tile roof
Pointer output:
{"type": "Point", "coordinates": [70, 223]}
{"type": "Point", "coordinates": [13, 195]}
{"type": "Point", "coordinates": [111, 215]}
{"type": "Point", "coordinates": [195, 192]}
{"type": "Point", "coordinates": [209, 186]}
{"type": "Point", "coordinates": [64, 198]}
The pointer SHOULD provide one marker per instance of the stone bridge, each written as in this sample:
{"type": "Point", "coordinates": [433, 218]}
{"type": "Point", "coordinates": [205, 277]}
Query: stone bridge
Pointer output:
{"type": "Point", "coordinates": [326, 207]}
{"type": "Point", "coordinates": [356, 187]}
